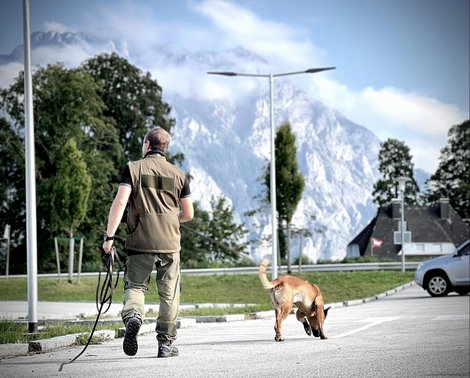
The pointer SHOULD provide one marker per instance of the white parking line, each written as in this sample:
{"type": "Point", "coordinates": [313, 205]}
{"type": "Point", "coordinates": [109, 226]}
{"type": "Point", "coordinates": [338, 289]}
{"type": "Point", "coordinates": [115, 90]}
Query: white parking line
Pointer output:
{"type": "Point", "coordinates": [371, 322]}
{"type": "Point", "coordinates": [451, 317]}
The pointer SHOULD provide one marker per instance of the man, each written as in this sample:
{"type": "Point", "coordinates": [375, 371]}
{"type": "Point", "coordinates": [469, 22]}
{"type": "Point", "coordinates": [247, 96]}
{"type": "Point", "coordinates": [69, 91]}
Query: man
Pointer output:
{"type": "Point", "coordinates": [159, 200]}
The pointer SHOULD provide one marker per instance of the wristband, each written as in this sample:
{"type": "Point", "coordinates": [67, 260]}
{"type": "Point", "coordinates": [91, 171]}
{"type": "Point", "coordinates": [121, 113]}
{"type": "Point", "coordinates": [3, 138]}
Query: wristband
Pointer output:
{"type": "Point", "coordinates": [109, 238]}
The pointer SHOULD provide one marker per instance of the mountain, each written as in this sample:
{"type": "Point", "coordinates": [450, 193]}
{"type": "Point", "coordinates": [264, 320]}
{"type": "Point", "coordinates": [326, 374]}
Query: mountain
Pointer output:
{"type": "Point", "coordinates": [227, 145]}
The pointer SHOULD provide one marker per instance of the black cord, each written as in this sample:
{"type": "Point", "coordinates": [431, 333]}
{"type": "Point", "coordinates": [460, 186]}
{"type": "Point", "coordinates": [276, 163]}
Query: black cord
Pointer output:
{"type": "Point", "coordinates": [103, 296]}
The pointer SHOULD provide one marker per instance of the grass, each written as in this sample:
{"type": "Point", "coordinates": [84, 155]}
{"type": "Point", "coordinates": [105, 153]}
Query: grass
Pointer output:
{"type": "Point", "coordinates": [233, 289]}
{"type": "Point", "coordinates": [14, 332]}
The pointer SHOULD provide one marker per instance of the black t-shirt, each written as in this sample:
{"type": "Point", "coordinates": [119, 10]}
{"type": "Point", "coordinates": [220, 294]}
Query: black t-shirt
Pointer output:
{"type": "Point", "coordinates": [126, 179]}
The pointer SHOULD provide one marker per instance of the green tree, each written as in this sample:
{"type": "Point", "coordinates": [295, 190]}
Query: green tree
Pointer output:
{"type": "Point", "coordinates": [12, 193]}
{"type": "Point", "coordinates": [133, 100]}
{"type": "Point", "coordinates": [452, 177]}
{"type": "Point", "coordinates": [394, 161]}
{"type": "Point", "coordinates": [213, 237]}
{"type": "Point", "coordinates": [290, 182]}
{"type": "Point", "coordinates": [70, 192]}
{"type": "Point", "coordinates": [66, 105]}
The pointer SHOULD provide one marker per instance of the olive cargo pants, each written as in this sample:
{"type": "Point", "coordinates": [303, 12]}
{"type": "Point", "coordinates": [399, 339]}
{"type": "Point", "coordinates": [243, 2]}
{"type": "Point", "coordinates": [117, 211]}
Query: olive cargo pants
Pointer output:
{"type": "Point", "coordinates": [139, 267]}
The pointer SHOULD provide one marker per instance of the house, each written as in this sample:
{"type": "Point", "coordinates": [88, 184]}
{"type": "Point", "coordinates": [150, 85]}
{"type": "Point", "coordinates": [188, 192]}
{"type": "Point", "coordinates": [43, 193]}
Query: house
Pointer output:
{"type": "Point", "coordinates": [429, 230]}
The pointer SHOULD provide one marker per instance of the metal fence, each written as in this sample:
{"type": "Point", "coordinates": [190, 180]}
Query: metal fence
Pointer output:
{"type": "Point", "coordinates": [377, 266]}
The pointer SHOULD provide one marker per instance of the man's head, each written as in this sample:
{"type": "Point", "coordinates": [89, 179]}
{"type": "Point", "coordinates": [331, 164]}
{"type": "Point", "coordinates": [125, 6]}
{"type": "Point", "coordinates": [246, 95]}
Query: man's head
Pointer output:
{"type": "Point", "coordinates": [157, 139]}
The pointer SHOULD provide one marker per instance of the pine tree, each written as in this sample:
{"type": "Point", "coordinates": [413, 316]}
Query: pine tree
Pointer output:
{"type": "Point", "coordinates": [452, 177]}
{"type": "Point", "coordinates": [394, 162]}
{"type": "Point", "coordinates": [289, 181]}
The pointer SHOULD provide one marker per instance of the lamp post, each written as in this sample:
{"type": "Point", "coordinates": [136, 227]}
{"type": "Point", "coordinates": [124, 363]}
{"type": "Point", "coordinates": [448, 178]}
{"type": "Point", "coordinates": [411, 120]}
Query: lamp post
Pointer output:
{"type": "Point", "coordinates": [273, 163]}
{"type": "Point", "coordinates": [31, 229]}
{"type": "Point", "coordinates": [401, 187]}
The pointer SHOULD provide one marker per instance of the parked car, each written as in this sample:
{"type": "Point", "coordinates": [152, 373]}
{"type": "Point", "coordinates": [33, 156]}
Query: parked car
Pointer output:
{"type": "Point", "coordinates": [441, 275]}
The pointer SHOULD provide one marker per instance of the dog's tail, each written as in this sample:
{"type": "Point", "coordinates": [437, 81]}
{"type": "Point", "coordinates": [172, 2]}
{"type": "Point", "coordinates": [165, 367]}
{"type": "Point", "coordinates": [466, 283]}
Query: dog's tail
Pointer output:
{"type": "Point", "coordinates": [263, 277]}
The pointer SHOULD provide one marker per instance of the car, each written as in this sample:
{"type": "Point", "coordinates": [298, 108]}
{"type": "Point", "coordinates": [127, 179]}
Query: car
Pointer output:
{"type": "Point", "coordinates": [441, 275]}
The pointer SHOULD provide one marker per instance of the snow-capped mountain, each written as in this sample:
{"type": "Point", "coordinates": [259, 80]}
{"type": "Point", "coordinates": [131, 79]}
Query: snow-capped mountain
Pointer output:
{"type": "Point", "coordinates": [227, 146]}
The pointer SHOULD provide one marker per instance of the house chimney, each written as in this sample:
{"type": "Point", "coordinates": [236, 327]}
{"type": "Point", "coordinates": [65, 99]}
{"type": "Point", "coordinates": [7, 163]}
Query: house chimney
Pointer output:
{"type": "Point", "coordinates": [396, 208]}
{"type": "Point", "coordinates": [444, 208]}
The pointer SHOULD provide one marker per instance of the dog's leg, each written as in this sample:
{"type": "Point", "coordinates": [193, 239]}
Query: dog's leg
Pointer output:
{"type": "Point", "coordinates": [317, 320]}
{"type": "Point", "coordinates": [281, 314]}
{"type": "Point", "coordinates": [301, 318]}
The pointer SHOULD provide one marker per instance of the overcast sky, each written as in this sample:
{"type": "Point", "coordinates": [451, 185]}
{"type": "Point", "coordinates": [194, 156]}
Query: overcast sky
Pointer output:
{"type": "Point", "coordinates": [402, 66]}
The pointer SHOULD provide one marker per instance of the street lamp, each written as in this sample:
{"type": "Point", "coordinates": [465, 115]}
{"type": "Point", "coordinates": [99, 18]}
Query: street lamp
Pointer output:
{"type": "Point", "coordinates": [401, 188]}
{"type": "Point", "coordinates": [273, 163]}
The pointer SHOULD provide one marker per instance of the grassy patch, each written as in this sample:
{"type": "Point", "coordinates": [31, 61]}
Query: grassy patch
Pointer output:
{"type": "Point", "coordinates": [17, 333]}
{"type": "Point", "coordinates": [240, 288]}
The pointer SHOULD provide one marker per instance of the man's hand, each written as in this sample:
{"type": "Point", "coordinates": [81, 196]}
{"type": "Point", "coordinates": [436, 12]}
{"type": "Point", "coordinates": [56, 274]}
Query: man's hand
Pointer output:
{"type": "Point", "coordinates": [107, 246]}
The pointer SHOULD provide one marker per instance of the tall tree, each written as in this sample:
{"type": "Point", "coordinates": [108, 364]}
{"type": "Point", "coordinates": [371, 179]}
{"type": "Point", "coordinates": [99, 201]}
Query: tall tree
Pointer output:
{"type": "Point", "coordinates": [66, 105]}
{"type": "Point", "coordinates": [290, 182]}
{"type": "Point", "coordinates": [452, 177]}
{"type": "Point", "coordinates": [394, 161]}
{"type": "Point", "coordinates": [12, 193]}
{"type": "Point", "coordinates": [70, 192]}
{"type": "Point", "coordinates": [133, 100]}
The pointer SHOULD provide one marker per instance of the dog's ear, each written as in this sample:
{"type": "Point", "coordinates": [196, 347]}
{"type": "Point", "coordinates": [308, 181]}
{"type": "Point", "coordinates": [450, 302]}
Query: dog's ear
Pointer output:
{"type": "Point", "coordinates": [326, 311]}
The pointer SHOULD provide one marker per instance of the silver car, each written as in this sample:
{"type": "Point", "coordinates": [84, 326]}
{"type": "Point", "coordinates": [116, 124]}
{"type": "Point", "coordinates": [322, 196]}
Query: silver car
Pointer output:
{"type": "Point", "coordinates": [441, 275]}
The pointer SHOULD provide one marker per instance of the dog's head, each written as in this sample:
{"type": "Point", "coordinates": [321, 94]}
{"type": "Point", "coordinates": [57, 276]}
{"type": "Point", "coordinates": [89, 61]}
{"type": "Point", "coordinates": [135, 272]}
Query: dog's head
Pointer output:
{"type": "Point", "coordinates": [317, 319]}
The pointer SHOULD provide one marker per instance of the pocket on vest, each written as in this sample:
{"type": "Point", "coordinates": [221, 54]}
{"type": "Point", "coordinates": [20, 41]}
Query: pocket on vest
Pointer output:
{"type": "Point", "coordinates": [155, 233]}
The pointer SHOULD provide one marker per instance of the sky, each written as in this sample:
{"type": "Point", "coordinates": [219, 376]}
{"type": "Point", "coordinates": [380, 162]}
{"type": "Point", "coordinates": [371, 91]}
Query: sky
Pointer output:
{"type": "Point", "coordinates": [402, 66]}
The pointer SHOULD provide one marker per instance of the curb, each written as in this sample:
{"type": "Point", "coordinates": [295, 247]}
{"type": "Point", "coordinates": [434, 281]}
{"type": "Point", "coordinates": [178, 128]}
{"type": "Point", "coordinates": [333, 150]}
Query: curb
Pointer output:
{"type": "Point", "coordinates": [46, 345]}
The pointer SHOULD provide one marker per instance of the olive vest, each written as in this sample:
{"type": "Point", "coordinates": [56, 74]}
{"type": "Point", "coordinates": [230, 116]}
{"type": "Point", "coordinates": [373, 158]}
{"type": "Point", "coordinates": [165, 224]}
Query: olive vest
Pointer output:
{"type": "Point", "coordinates": [152, 222]}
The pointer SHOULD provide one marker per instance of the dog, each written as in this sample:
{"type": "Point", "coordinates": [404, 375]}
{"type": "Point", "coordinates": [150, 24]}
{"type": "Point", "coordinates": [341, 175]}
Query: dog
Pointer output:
{"type": "Point", "coordinates": [288, 290]}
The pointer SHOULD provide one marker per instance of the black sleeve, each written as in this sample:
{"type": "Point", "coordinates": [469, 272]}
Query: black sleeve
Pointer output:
{"type": "Point", "coordinates": [126, 176]}
{"type": "Point", "coordinates": [185, 191]}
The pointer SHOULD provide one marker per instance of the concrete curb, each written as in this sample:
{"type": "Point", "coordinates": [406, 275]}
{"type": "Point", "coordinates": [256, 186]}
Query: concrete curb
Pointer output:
{"type": "Point", "coordinates": [39, 346]}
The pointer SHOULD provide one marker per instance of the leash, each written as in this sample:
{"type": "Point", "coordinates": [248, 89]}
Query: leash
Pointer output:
{"type": "Point", "coordinates": [104, 293]}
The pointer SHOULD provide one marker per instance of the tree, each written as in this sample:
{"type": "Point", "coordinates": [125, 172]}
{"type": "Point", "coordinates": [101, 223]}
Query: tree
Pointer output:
{"type": "Point", "coordinates": [394, 161]}
{"type": "Point", "coordinates": [133, 100]}
{"type": "Point", "coordinates": [70, 192]}
{"type": "Point", "coordinates": [452, 177]}
{"type": "Point", "coordinates": [289, 181]}
{"type": "Point", "coordinates": [66, 106]}
{"type": "Point", "coordinates": [212, 237]}
{"type": "Point", "coordinates": [12, 193]}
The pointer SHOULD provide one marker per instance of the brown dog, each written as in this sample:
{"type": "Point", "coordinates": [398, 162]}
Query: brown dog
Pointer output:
{"type": "Point", "coordinates": [287, 291]}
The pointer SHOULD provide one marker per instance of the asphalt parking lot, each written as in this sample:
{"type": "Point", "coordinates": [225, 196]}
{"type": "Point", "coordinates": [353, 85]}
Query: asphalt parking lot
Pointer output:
{"type": "Point", "coordinates": [408, 334]}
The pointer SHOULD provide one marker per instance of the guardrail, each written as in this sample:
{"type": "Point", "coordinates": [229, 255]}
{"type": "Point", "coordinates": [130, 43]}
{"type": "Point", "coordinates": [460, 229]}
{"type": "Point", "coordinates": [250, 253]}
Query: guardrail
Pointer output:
{"type": "Point", "coordinates": [410, 266]}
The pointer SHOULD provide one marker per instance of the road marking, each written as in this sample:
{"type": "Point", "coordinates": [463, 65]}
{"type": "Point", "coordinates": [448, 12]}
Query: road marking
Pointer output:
{"type": "Point", "coordinates": [371, 322]}
{"type": "Point", "coordinates": [451, 317]}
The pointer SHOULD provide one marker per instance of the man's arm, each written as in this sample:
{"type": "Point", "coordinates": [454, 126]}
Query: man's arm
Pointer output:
{"type": "Point", "coordinates": [115, 214]}
{"type": "Point", "coordinates": [187, 210]}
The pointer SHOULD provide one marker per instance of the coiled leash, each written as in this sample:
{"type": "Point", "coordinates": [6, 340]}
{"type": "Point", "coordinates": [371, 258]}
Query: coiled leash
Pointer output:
{"type": "Point", "coordinates": [104, 292]}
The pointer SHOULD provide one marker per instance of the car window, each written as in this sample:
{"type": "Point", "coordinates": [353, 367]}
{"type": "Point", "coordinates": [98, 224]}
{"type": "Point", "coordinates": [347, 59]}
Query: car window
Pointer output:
{"type": "Point", "coordinates": [465, 251]}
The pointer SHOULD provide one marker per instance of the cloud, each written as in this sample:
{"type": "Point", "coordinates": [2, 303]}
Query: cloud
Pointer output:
{"type": "Point", "coordinates": [221, 35]}
{"type": "Point", "coordinates": [8, 72]}
{"type": "Point", "coordinates": [55, 27]}
{"type": "Point", "coordinates": [238, 26]}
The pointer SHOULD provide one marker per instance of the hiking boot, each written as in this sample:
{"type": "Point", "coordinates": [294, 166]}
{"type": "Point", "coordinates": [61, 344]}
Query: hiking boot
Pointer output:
{"type": "Point", "coordinates": [165, 351]}
{"type": "Point", "coordinates": [130, 345]}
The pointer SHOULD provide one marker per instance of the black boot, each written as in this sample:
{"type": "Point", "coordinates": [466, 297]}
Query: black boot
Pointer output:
{"type": "Point", "coordinates": [130, 345]}
{"type": "Point", "coordinates": [166, 350]}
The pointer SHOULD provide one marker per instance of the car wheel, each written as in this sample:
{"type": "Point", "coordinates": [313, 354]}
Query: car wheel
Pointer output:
{"type": "Point", "coordinates": [438, 285]}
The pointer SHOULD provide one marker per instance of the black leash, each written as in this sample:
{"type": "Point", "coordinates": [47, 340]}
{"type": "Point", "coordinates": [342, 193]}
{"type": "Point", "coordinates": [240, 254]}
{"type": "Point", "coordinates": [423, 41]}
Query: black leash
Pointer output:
{"type": "Point", "coordinates": [104, 295]}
